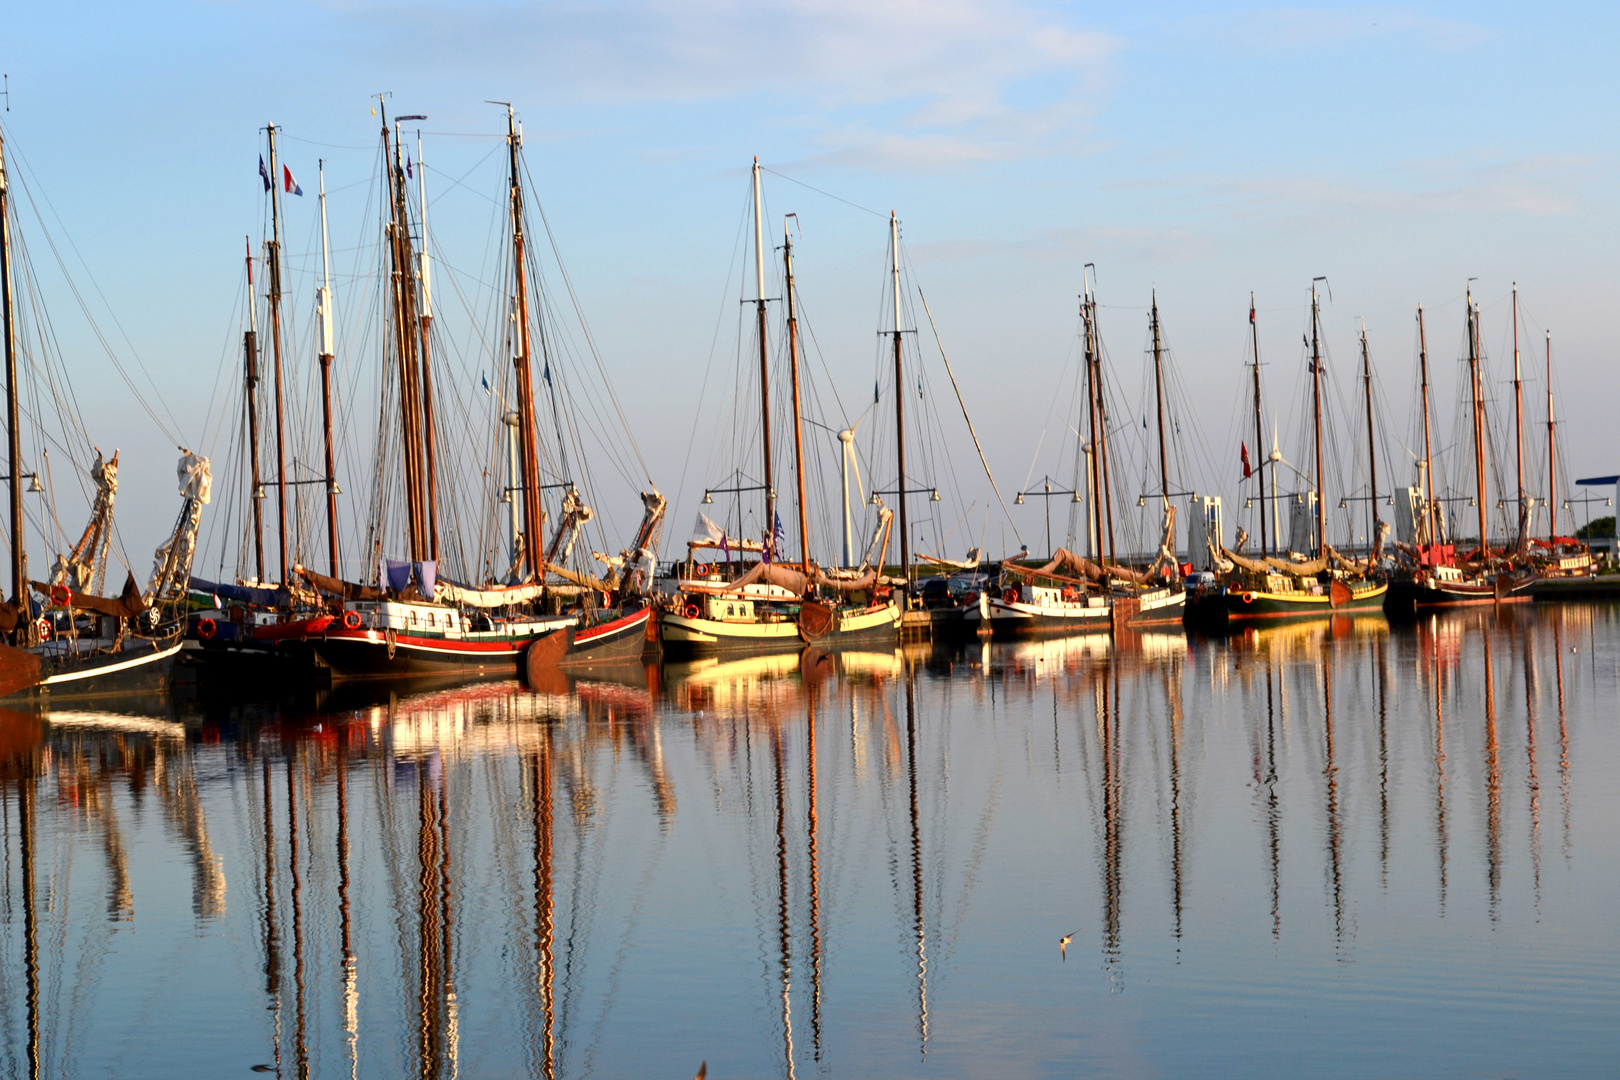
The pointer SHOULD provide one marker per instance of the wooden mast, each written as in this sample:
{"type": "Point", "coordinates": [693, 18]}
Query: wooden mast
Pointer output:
{"type": "Point", "coordinates": [250, 351]}
{"type": "Point", "coordinates": [1428, 445]}
{"type": "Point", "coordinates": [19, 566]}
{"type": "Point", "coordinates": [764, 362]}
{"type": "Point", "coordinates": [1094, 511]}
{"type": "Point", "coordinates": [406, 341]}
{"type": "Point", "coordinates": [533, 520]}
{"type": "Point", "coordinates": [900, 402]}
{"type": "Point", "coordinates": [1476, 391]}
{"type": "Point", "coordinates": [1552, 458]}
{"type": "Point", "coordinates": [1158, 391]}
{"type": "Point", "coordinates": [323, 316]}
{"type": "Point", "coordinates": [1518, 417]}
{"type": "Point", "coordinates": [1372, 442]}
{"type": "Point", "coordinates": [426, 320]}
{"type": "Point", "coordinates": [1100, 446]}
{"type": "Point", "coordinates": [1316, 397]}
{"type": "Point", "coordinates": [798, 430]}
{"type": "Point", "coordinates": [275, 345]}
{"type": "Point", "coordinates": [1259, 434]}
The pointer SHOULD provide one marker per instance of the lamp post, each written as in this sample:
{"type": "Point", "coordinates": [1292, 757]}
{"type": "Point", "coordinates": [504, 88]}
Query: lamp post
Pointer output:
{"type": "Point", "coordinates": [1047, 491]}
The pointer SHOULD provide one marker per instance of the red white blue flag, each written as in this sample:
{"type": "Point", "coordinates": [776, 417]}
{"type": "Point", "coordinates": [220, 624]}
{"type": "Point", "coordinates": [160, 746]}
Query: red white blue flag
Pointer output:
{"type": "Point", "coordinates": [290, 185]}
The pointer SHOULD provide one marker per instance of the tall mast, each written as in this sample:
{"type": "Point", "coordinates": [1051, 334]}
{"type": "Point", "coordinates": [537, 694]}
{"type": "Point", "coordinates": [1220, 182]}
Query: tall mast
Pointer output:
{"type": "Point", "coordinates": [1372, 442]}
{"type": "Point", "coordinates": [899, 401]}
{"type": "Point", "coordinates": [793, 368]}
{"type": "Point", "coordinates": [1316, 397]}
{"type": "Point", "coordinates": [1259, 434]}
{"type": "Point", "coordinates": [406, 342]}
{"type": "Point", "coordinates": [532, 520]}
{"type": "Point", "coordinates": [323, 316]}
{"type": "Point", "coordinates": [1476, 392]}
{"type": "Point", "coordinates": [1158, 391]}
{"type": "Point", "coordinates": [1094, 511]}
{"type": "Point", "coordinates": [764, 358]}
{"type": "Point", "coordinates": [19, 567]}
{"type": "Point", "coordinates": [1428, 446]}
{"type": "Point", "coordinates": [1552, 456]}
{"type": "Point", "coordinates": [275, 345]}
{"type": "Point", "coordinates": [426, 321]}
{"type": "Point", "coordinates": [1100, 446]}
{"type": "Point", "coordinates": [1518, 411]}
{"type": "Point", "coordinates": [250, 351]}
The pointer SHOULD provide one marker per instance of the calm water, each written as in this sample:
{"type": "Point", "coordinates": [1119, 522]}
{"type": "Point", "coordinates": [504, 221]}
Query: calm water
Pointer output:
{"type": "Point", "coordinates": [1343, 850]}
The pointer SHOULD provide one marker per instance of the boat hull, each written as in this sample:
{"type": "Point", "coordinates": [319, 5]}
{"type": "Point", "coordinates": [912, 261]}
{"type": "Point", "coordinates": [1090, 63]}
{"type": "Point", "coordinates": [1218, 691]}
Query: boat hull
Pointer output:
{"type": "Point", "coordinates": [1407, 597]}
{"type": "Point", "coordinates": [828, 627]}
{"type": "Point", "coordinates": [686, 636]}
{"type": "Point", "coordinates": [140, 667]}
{"type": "Point", "coordinates": [1236, 606]}
{"type": "Point", "coordinates": [367, 653]}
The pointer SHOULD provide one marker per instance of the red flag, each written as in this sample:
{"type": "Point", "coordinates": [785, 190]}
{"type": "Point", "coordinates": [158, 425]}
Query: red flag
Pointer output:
{"type": "Point", "coordinates": [1247, 471]}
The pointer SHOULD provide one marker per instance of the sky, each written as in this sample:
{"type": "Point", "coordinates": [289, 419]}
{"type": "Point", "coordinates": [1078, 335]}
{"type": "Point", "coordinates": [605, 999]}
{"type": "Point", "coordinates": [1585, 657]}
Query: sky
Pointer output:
{"type": "Point", "coordinates": [1199, 151]}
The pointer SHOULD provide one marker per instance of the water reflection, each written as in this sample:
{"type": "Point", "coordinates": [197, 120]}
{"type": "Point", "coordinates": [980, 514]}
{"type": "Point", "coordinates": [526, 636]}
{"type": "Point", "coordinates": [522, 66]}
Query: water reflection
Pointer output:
{"type": "Point", "coordinates": [828, 862]}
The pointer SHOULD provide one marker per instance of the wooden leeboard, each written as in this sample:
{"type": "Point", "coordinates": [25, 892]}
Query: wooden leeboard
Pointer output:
{"type": "Point", "coordinates": [19, 670]}
{"type": "Point", "coordinates": [1339, 593]}
{"type": "Point", "coordinates": [816, 620]}
{"type": "Point", "coordinates": [541, 660]}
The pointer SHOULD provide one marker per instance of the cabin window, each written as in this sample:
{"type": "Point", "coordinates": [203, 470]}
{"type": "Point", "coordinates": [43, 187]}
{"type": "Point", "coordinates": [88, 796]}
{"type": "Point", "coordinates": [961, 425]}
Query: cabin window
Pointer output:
{"type": "Point", "coordinates": [729, 610]}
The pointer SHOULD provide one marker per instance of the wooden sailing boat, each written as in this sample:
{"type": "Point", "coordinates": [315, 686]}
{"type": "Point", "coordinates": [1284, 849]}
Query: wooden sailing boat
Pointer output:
{"type": "Point", "coordinates": [1432, 575]}
{"type": "Point", "coordinates": [415, 622]}
{"type": "Point", "coordinates": [1273, 587]}
{"type": "Point", "coordinates": [714, 608]}
{"type": "Point", "coordinates": [1071, 593]}
{"type": "Point", "coordinates": [77, 643]}
{"type": "Point", "coordinates": [1558, 556]}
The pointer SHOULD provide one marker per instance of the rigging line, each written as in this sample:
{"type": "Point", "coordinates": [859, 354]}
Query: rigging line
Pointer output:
{"type": "Point", "coordinates": [28, 190]}
{"type": "Point", "coordinates": [818, 191]}
{"type": "Point", "coordinates": [330, 146]}
{"type": "Point", "coordinates": [590, 341]}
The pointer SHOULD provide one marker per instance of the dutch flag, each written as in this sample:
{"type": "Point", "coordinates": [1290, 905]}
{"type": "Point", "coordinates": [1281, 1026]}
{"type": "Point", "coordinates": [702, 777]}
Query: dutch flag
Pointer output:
{"type": "Point", "coordinates": [289, 184]}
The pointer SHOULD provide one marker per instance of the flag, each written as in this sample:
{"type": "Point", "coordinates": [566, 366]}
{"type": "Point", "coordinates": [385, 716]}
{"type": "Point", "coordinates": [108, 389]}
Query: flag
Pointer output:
{"type": "Point", "coordinates": [291, 185]}
{"type": "Point", "coordinates": [426, 573]}
{"type": "Point", "coordinates": [408, 167]}
{"type": "Point", "coordinates": [1247, 470]}
{"type": "Point", "coordinates": [485, 380]}
{"type": "Point", "coordinates": [706, 529]}
{"type": "Point", "coordinates": [264, 173]}
{"type": "Point", "coordinates": [1251, 314]}
{"type": "Point", "coordinates": [725, 546]}
{"type": "Point", "coordinates": [777, 536]}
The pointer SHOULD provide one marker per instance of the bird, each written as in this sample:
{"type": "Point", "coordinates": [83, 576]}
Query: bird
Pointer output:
{"type": "Point", "coordinates": [1063, 944]}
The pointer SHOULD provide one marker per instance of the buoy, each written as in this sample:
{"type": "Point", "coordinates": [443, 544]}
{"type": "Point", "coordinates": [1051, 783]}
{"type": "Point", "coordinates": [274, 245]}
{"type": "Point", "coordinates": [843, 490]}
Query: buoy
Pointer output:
{"type": "Point", "coordinates": [206, 628]}
{"type": "Point", "coordinates": [702, 569]}
{"type": "Point", "coordinates": [351, 620]}
{"type": "Point", "coordinates": [1009, 596]}
{"type": "Point", "coordinates": [1248, 598]}
{"type": "Point", "coordinates": [44, 629]}
{"type": "Point", "coordinates": [61, 595]}
{"type": "Point", "coordinates": [692, 611]}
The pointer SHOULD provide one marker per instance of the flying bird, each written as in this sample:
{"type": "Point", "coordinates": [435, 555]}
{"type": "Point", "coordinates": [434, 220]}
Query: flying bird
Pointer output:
{"type": "Point", "coordinates": [1063, 944]}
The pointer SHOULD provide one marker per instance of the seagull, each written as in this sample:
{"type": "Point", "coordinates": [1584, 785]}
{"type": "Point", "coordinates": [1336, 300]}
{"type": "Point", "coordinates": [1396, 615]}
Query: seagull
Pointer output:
{"type": "Point", "coordinates": [1063, 944]}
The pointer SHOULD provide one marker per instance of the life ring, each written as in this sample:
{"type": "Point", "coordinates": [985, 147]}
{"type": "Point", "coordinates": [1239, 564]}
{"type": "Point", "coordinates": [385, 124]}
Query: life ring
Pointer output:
{"type": "Point", "coordinates": [1009, 596]}
{"type": "Point", "coordinates": [351, 620]}
{"type": "Point", "coordinates": [206, 628]}
{"type": "Point", "coordinates": [61, 595]}
{"type": "Point", "coordinates": [44, 629]}
{"type": "Point", "coordinates": [1248, 598]}
{"type": "Point", "coordinates": [702, 569]}
{"type": "Point", "coordinates": [692, 611]}
{"type": "Point", "coordinates": [970, 599]}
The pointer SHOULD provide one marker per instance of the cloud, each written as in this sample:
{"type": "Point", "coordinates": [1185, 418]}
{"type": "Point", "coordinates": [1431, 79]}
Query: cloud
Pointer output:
{"type": "Point", "coordinates": [1279, 29]}
{"type": "Point", "coordinates": [1114, 244]}
{"type": "Point", "coordinates": [1534, 186]}
{"type": "Point", "coordinates": [897, 84]}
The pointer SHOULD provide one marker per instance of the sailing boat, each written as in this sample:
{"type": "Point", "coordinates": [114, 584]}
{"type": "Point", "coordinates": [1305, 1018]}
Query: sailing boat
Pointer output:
{"type": "Point", "coordinates": [80, 644]}
{"type": "Point", "coordinates": [1432, 575]}
{"type": "Point", "coordinates": [1559, 556]}
{"type": "Point", "coordinates": [1272, 587]}
{"type": "Point", "coordinates": [1071, 593]}
{"type": "Point", "coordinates": [416, 622]}
{"type": "Point", "coordinates": [768, 607]}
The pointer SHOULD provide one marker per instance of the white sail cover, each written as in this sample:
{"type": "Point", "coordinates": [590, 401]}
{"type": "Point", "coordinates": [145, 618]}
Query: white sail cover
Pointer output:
{"type": "Point", "coordinates": [448, 592]}
{"type": "Point", "coordinates": [171, 565]}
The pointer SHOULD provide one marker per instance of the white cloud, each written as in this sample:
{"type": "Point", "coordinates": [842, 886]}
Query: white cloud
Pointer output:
{"type": "Point", "coordinates": [896, 84]}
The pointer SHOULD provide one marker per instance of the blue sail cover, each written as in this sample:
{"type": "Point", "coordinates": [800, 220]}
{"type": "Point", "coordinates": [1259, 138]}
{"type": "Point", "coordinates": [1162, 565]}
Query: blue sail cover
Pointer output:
{"type": "Point", "coordinates": [244, 594]}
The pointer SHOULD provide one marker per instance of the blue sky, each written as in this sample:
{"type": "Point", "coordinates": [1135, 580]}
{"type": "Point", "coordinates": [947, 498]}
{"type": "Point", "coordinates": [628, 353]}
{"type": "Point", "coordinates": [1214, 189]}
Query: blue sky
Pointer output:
{"type": "Point", "coordinates": [1205, 150]}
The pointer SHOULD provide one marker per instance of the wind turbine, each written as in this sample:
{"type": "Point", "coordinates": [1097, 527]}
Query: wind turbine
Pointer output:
{"type": "Point", "coordinates": [847, 439]}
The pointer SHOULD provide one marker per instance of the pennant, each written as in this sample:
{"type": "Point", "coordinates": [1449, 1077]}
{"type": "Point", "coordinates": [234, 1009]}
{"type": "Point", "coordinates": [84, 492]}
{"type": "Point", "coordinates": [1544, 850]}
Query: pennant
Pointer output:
{"type": "Point", "coordinates": [408, 167]}
{"type": "Point", "coordinates": [291, 185]}
{"type": "Point", "coordinates": [485, 380]}
{"type": "Point", "coordinates": [1251, 314]}
{"type": "Point", "coordinates": [725, 546]}
{"type": "Point", "coordinates": [1247, 470]}
{"type": "Point", "coordinates": [264, 173]}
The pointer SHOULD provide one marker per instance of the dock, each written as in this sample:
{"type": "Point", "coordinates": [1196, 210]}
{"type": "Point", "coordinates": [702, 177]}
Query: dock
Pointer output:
{"type": "Point", "coordinates": [1600, 587]}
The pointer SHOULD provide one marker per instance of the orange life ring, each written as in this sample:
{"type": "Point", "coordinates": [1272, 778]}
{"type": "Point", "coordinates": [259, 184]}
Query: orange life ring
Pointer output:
{"type": "Point", "coordinates": [61, 595]}
{"type": "Point", "coordinates": [351, 620]}
{"type": "Point", "coordinates": [206, 628]}
{"type": "Point", "coordinates": [1248, 598]}
{"type": "Point", "coordinates": [702, 569]}
{"type": "Point", "coordinates": [1009, 596]}
{"type": "Point", "coordinates": [692, 611]}
{"type": "Point", "coordinates": [44, 628]}
{"type": "Point", "coordinates": [970, 598]}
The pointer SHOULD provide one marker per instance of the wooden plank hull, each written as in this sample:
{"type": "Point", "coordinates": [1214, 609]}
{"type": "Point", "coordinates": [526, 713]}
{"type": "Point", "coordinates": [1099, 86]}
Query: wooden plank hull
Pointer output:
{"type": "Point", "coordinates": [1231, 606]}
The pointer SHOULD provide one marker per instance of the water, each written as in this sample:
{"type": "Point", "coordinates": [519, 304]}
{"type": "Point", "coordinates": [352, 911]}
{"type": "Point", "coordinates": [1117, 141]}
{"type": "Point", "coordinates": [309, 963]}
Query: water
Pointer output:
{"type": "Point", "coordinates": [1336, 850]}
